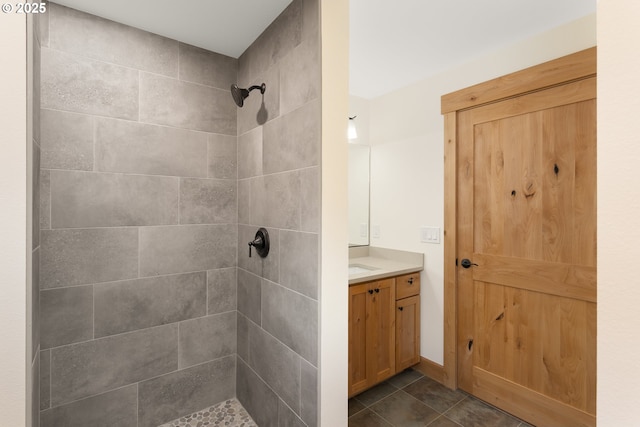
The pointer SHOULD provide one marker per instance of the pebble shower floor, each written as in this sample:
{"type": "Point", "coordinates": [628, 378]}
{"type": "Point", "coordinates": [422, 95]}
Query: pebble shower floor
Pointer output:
{"type": "Point", "coordinates": [229, 413]}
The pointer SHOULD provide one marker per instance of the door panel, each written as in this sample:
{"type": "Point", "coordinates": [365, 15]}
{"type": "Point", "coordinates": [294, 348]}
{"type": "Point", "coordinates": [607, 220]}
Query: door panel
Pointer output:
{"type": "Point", "coordinates": [526, 197]}
{"type": "Point", "coordinates": [407, 336]}
{"type": "Point", "coordinates": [382, 329]}
{"type": "Point", "coordinates": [358, 365]}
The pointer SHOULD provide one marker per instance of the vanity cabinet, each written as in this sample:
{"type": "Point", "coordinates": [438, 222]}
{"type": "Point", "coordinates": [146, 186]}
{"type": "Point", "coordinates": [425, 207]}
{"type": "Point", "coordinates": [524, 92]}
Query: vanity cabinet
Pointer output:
{"type": "Point", "coordinates": [372, 334]}
{"type": "Point", "coordinates": [407, 321]}
{"type": "Point", "coordinates": [384, 329]}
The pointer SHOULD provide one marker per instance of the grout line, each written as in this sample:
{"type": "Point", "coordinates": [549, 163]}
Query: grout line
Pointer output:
{"type": "Point", "coordinates": [93, 309]}
{"type": "Point", "coordinates": [139, 92]}
{"type": "Point", "coordinates": [137, 404]}
{"type": "Point", "coordinates": [94, 135]}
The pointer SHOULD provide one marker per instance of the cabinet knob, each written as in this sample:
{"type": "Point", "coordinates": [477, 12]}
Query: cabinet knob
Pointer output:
{"type": "Point", "coordinates": [371, 291]}
{"type": "Point", "coordinates": [410, 280]}
{"type": "Point", "coordinates": [377, 290]}
{"type": "Point", "coordinates": [400, 308]}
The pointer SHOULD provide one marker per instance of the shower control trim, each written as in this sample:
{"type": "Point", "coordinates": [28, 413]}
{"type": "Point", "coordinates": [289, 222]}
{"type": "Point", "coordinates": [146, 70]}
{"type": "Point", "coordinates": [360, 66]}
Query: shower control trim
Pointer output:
{"type": "Point", "coordinates": [260, 242]}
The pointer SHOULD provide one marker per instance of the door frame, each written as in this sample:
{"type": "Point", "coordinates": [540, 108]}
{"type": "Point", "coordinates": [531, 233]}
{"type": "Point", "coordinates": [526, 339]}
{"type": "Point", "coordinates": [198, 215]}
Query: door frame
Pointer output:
{"type": "Point", "coordinates": [574, 67]}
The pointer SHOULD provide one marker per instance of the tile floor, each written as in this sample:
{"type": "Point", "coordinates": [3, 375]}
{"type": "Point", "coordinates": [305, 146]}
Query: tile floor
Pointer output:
{"type": "Point", "coordinates": [410, 399]}
{"type": "Point", "coordinates": [229, 413]}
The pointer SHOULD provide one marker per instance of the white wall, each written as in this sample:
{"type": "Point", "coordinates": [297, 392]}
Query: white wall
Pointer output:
{"type": "Point", "coordinates": [406, 138]}
{"type": "Point", "coordinates": [334, 17]}
{"type": "Point", "coordinates": [618, 212]}
{"type": "Point", "coordinates": [14, 225]}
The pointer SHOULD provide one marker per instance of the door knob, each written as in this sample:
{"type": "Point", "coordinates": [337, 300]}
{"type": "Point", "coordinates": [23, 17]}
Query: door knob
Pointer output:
{"type": "Point", "coordinates": [465, 263]}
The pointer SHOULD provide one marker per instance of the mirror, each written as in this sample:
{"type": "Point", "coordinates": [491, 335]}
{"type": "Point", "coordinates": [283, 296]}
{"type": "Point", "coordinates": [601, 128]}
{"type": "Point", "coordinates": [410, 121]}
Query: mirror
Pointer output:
{"type": "Point", "coordinates": [358, 195]}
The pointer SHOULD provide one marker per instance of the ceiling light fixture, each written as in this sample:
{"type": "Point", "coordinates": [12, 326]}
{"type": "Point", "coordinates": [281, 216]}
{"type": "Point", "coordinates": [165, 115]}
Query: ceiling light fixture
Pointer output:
{"type": "Point", "coordinates": [352, 132]}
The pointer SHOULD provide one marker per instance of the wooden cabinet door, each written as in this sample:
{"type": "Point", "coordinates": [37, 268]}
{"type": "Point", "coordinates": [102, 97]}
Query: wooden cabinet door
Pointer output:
{"type": "Point", "coordinates": [371, 334]}
{"type": "Point", "coordinates": [526, 201]}
{"type": "Point", "coordinates": [407, 332]}
{"type": "Point", "coordinates": [381, 329]}
{"type": "Point", "coordinates": [358, 366]}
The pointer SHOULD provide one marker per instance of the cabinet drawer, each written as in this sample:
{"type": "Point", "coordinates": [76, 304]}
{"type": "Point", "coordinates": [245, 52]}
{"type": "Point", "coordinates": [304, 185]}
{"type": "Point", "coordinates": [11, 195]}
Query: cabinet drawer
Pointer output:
{"type": "Point", "coordinates": [407, 285]}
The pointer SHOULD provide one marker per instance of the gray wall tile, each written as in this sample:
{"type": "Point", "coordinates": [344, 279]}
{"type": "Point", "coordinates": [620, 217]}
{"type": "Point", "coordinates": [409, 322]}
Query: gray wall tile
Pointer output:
{"type": "Point", "coordinates": [221, 290]}
{"type": "Point", "coordinates": [282, 35]}
{"type": "Point", "coordinates": [292, 318]}
{"type": "Point", "coordinates": [67, 140]}
{"type": "Point", "coordinates": [74, 83]}
{"type": "Point", "coordinates": [42, 24]}
{"type": "Point", "coordinates": [243, 337]}
{"type": "Point", "coordinates": [81, 199]}
{"type": "Point", "coordinates": [244, 201]}
{"type": "Point", "coordinates": [292, 141]}
{"type": "Point", "coordinates": [208, 68]}
{"type": "Point", "coordinates": [37, 69]}
{"type": "Point", "coordinates": [136, 304]}
{"type": "Point", "coordinates": [310, 19]}
{"type": "Point", "coordinates": [256, 397]}
{"type": "Point", "coordinates": [35, 197]}
{"type": "Point", "coordinates": [276, 364]}
{"type": "Point", "coordinates": [309, 393]}
{"type": "Point", "coordinates": [299, 262]}
{"type": "Point", "coordinates": [88, 35]}
{"type": "Point", "coordinates": [207, 338]}
{"type": "Point", "coordinates": [250, 153]}
{"type": "Point", "coordinates": [75, 257]}
{"type": "Point", "coordinates": [115, 408]}
{"type": "Point", "coordinates": [45, 199]}
{"type": "Point", "coordinates": [264, 267]}
{"type": "Point", "coordinates": [185, 105]}
{"type": "Point", "coordinates": [35, 391]}
{"type": "Point", "coordinates": [35, 301]}
{"type": "Point", "coordinates": [93, 367]}
{"type": "Point", "coordinates": [180, 393]}
{"type": "Point", "coordinates": [131, 147]}
{"type": "Point", "coordinates": [286, 417]}
{"type": "Point", "coordinates": [208, 201]}
{"type": "Point", "coordinates": [223, 156]}
{"type": "Point", "coordinates": [249, 295]}
{"type": "Point", "coordinates": [310, 202]}
{"type": "Point", "coordinates": [67, 315]}
{"type": "Point", "coordinates": [300, 76]}
{"type": "Point", "coordinates": [275, 200]}
{"type": "Point", "coordinates": [178, 249]}
{"type": "Point", "coordinates": [45, 379]}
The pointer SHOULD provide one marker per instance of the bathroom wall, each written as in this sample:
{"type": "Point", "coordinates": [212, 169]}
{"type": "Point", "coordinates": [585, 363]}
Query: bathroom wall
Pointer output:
{"type": "Point", "coordinates": [36, 32]}
{"type": "Point", "coordinates": [19, 234]}
{"type": "Point", "coordinates": [279, 143]}
{"type": "Point", "coordinates": [138, 225]}
{"type": "Point", "coordinates": [406, 137]}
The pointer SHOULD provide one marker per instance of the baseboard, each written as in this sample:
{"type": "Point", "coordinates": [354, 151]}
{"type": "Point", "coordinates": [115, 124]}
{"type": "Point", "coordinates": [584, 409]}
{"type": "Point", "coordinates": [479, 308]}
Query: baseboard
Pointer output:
{"type": "Point", "coordinates": [431, 370]}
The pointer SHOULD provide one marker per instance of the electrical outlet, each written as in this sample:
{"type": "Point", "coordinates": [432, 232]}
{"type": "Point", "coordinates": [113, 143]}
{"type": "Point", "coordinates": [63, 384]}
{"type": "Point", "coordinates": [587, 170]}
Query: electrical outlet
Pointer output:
{"type": "Point", "coordinates": [375, 231]}
{"type": "Point", "coordinates": [363, 229]}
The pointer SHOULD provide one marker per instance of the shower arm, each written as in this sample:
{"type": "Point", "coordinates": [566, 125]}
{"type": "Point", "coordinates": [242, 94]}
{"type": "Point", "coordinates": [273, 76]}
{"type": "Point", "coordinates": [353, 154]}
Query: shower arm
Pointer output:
{"type": "Point", "coordinates": [262, 88]}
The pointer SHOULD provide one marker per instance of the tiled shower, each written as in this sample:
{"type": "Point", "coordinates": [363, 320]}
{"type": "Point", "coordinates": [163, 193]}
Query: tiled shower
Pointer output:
{"type": "Point", "coordinates": [152, 183]}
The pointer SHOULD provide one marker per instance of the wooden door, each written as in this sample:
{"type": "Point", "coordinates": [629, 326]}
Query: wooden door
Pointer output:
{"type": "Point", "coordinates": [407, 332]}
{"type": "Point", "coordinates": [526, 217]}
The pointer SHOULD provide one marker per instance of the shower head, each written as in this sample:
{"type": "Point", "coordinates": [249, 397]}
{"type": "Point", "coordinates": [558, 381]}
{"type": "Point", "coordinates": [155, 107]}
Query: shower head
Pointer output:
{"type": "Point", "coordinates": [239, 94]}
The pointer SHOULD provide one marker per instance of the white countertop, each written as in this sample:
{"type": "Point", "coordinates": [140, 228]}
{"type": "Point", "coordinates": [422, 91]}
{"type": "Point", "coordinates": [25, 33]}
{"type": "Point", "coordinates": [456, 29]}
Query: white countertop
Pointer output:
{"type": "Point", "coordinates": [383, 263]}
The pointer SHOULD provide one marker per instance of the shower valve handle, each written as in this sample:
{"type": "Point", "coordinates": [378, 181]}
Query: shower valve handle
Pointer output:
{"type": "Point", "coordinates": [257, 242]}
{"type": "Point", "coordinates": [260, 242]}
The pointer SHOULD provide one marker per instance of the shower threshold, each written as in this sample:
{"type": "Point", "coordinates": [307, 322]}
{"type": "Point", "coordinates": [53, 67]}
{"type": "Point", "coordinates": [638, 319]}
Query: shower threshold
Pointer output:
{"type": "Point", "coordinates": [229, 413]}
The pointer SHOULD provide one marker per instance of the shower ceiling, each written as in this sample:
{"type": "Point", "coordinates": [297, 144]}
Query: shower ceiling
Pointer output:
{"type": "Point", "coordinates": [392, 43]}
{"type": "Point", "coordinates": [223, 26]}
